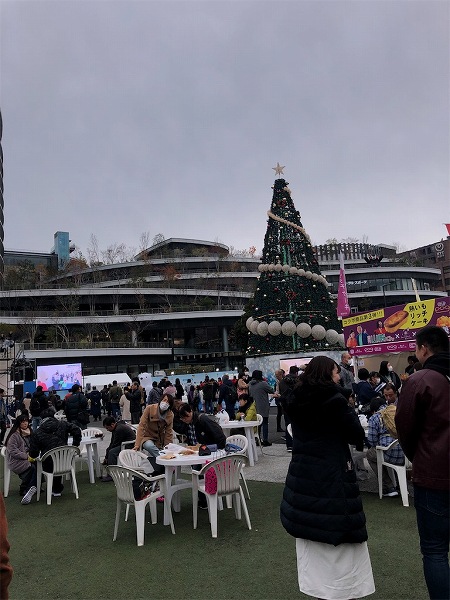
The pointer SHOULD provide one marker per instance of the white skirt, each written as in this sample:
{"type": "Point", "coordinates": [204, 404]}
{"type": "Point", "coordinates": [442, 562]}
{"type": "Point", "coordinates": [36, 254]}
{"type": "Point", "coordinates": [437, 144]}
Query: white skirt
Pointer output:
{"type": "Point", "coordinates": [334, 572]}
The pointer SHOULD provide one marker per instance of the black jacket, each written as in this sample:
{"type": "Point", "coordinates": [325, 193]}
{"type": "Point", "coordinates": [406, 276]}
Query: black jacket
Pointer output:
{"type": "Point", "coordinates": [321, 500]}
{"type": "Point", "coordinates": [43, 403]}
{"type": "Point", "coordinates": [121, 433]}
{"type": "Point", "coordinates": [74, 404]}
{"type": "Point", "coordinates": [52, 433]}
{"type": "Point", "coordinates": [208, 431]}
{"type": "Point", "coordinates": [135, 400]}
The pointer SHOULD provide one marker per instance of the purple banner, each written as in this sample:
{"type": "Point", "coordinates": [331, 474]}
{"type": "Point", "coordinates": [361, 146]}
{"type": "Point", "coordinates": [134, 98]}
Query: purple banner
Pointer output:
{"type": "Point", "coordinates": [393, 329]}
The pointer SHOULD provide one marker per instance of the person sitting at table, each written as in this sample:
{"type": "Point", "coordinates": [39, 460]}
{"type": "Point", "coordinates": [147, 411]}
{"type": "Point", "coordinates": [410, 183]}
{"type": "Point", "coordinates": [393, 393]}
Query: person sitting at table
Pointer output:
{"type": "Point", "coordinates": [155, 429]}
{"type": "Point", "coordinates": [50, 434]}
{"type": "Point", "coordinates": [222, 417]}
{"type": "Point", "coordinates": [364, 391]}
{"type": "Point", "coordinates": [201, 429]}
{"type": "Point", "coordinates": [120, 432]}
{"type": "Point", "coordinates": [247, 408]}
{"type": "Point", "coordinates": [18, 444]}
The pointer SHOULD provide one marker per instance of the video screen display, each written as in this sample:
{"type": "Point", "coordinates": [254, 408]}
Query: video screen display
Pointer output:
{"type": "Point", "coordinates": [59, 377]}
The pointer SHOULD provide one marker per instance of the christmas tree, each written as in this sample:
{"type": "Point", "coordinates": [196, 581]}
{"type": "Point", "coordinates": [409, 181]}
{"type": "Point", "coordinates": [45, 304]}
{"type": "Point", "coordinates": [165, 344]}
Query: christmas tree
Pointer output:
{"type": "Point", "coordinates": [292, 310]}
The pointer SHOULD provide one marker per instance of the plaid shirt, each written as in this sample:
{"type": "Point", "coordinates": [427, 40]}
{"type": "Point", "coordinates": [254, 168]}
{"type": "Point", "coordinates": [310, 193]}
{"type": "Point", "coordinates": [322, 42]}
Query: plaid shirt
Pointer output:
{"type": "Point", "coordinates": [378, 435]}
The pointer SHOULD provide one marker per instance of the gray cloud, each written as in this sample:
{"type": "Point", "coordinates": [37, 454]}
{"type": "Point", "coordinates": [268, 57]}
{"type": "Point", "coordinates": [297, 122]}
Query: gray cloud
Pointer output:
{"type": "Point", "coordinates": [123, 117]}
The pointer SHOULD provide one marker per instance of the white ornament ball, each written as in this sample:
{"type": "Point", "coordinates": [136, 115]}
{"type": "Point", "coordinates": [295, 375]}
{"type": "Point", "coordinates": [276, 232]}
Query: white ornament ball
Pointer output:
{"type": "Point", "coordinates": [315, 277]}
{"type": "Point", "coordinates": [303, 330]}
{"type": "Point", "coordinates": [332, 336]}
{"type": "Point", "coordinates": [278, 267]}
{"type": "Point", "coordinates": [293, 270]}
{"type": "Point", "coordinates": [260, 268]}
{"type": "Point", "coordinates": [308, 274]}
{"type": "Point", "coordinates": [271, 267]}
{"type": "Point", "coordinates": [288, 328]}
{"type": "Point", "coordinates": [318, 332]}
{"type": "Point", "coordinates": [301, 272]}
{"type": "Point", "coordinates": [262, 329]}
{"type": "Point", "coordinates": [274, 328]}
{"type": "Point", "coordinates": [254, 327]}
{"type": "Point", "coordinates": [285, 268]}
{"type": "Point", "coordinates": [341, 340]}
{"type": "Point", "coordinates": [248, 322]}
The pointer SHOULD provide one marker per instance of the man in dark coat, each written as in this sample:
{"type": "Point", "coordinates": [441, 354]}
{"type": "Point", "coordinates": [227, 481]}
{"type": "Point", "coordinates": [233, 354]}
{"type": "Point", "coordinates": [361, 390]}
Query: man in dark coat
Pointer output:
{"type": "Point", "coordinates": [228, 394]}
{"type": "Point", "coordinates": [423, 427]}
{"type": "Point", "coordinates": [38, 404]}
{"type": "Point", "coordinates": [120, 432]}
{"type": "Point", "coordinates": [75, 404]}
{"type": "Point", "coordinates": [50, 434]}
{"type": "Point", "coordinates": [96, 403]}
{"type": "Point", "coordinates": [135, 402]}
{"type": "Point", "coordinates": [201, 429]}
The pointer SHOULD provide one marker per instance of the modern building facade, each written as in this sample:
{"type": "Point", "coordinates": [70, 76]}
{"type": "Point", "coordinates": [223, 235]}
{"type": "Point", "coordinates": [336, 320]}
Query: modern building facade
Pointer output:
{"type": "Point", "coordinates": [174, 307]}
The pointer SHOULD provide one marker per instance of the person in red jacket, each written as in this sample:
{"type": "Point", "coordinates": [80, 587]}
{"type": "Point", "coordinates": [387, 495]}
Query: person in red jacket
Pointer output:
{"type": "Point", "coordinates": [423, 426]}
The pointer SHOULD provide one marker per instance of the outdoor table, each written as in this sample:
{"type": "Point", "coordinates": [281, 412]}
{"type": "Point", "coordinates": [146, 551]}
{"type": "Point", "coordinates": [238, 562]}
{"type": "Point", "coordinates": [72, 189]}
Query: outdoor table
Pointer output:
{"type": "Point", "coordinates": [174, 483]}
{"type": "Point", "coordinates": [249, 434]}
{"type": "Point", "coordinates": [93, 459]}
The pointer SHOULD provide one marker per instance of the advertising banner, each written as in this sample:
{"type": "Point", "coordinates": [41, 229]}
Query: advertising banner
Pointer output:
{"type": "Point", "coordinates": [393, 329]}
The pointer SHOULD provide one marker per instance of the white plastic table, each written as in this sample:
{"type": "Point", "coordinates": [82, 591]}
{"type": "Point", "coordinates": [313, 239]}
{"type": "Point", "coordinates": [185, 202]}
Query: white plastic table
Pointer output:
{"type": "Point", "coordinates": [93, 459]}
{"type": "Point", "coordinates": [249, 434]}
{"type": "Point", "coordinates": [174, 483]}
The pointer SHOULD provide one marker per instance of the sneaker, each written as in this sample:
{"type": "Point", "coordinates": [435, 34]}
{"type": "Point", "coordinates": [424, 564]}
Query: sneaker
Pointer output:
{"type": "Point", "coordinates": [27, 498]}
{"type": "Point", "coordinates": [266, 443]}
{"type": "Point", "coordinates": [390, 494]}
{"type": "Point", "coordinates": [289, 449]}
{"type": "Point", "coordinates": [56, 494]}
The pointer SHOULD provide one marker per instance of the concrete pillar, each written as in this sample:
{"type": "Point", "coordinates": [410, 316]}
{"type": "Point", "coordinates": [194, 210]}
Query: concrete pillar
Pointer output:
{"type": "Point", "coordinates": [225, 347]}
{"type": "Point", "coordinates": [134, 338]}
{"type": "Point", "coordinates": [116, 307]}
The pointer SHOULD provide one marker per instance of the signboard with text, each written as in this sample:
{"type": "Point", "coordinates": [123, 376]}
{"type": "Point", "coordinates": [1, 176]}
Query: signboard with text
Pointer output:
{"type": "Point", "coordinates": [393, 329]}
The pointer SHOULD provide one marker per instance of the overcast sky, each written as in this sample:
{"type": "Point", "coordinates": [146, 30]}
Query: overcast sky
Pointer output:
{"type": "Point", "coordinates": [123, 117]}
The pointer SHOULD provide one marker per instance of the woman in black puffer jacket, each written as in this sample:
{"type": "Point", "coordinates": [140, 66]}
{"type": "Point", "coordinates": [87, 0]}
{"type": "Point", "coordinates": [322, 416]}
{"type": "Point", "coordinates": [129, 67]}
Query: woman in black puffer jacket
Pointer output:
{"type": "Point", "coordinates": [75, 404]}
{"type": "Point", "coordinates": [321, 504]}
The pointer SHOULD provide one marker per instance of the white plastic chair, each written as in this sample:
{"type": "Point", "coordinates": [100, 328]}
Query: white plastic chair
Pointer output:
{"type": "Point", "coordinates": [257, 436]}
{"type": "Point", "coordinates": [63, 458]}
{"type": "Point", "coordinates": [227, 470]}
{"type": "Point", "coordinates": [123, 480]}
{"type": "Point", "coordinates": [6, 472]}
{"type": "Point", "coordinates": [134, 459]}
{"type": "Point", "coordinates": [399, 469]}
{"type": "Point", "coordinates": [242, 442]}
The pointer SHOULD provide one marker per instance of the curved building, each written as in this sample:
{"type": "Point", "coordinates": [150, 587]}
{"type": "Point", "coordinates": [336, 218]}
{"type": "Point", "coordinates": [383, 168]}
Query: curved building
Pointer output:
{"type": "Point", "coordinates": [175, 305]}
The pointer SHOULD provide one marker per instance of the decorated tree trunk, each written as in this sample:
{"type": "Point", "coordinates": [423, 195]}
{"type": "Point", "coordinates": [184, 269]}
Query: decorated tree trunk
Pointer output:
{"type": "Point", "coordinates": [292, 310]}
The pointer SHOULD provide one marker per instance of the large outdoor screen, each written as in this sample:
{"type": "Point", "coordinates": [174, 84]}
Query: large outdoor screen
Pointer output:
{"type": "Point", "coordinates": [59, 377]}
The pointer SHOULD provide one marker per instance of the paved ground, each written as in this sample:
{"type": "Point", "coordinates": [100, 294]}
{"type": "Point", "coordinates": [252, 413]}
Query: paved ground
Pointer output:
{"type": "Point", "coordinates": [271, 466]}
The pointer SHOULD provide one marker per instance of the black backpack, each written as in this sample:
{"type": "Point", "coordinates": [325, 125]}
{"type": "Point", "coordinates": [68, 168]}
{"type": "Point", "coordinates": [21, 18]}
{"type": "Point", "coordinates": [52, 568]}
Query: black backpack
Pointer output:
{"type": "Point", "coordinates": [288, 397]}
{"type": "Point", "coordinates": [35, 407]}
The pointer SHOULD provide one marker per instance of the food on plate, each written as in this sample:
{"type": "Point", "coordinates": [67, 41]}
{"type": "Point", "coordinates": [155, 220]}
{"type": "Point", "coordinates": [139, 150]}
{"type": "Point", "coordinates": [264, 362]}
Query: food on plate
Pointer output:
{"type": "Point", "coordinates": [168, 456]}
{"type": "Point", "coordinates": [187, 452]}
{"type": "Point", "coordinates": [395, 321]}
{"type": "Point", "coordinates": [194, 448]}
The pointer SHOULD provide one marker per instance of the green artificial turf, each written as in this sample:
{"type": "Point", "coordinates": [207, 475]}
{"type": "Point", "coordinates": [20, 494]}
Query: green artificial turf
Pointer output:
{"type": "Point", "coordinates": [65, 551]}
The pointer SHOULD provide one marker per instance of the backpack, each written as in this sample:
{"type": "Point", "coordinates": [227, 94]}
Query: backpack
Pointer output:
{"type": "Point", "coordinates": [388, 419]}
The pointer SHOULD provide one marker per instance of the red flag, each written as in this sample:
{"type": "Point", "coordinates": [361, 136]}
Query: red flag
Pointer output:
{"type": "Point", "coordinates": [448, 228]}
{"type": "Point", "coordinates": [343, 307]}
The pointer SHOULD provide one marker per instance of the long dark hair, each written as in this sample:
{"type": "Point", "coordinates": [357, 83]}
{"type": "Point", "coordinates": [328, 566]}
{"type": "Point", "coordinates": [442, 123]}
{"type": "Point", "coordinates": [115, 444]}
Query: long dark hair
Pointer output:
{"type": "Point", "coordinates": [16, 426]}
{"type": "Point", "coordinates": [384, 368]}
{"type": "Point", "coordinates": [319, 371]}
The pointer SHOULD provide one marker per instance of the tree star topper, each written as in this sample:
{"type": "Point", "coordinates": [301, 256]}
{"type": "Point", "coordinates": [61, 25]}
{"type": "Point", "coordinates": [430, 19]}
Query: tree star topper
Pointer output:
{"type": "Point", "coordinates": [278, 169]}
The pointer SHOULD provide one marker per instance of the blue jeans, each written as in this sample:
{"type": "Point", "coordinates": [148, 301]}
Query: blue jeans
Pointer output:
{"type": "Point", "coordinates": [432, 512]}
{"type": "Point", "coordinates": [151, 448]}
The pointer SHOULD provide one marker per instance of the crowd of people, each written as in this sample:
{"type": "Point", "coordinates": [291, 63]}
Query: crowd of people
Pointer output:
{"type": "Point", "coordinates": [328, 411]}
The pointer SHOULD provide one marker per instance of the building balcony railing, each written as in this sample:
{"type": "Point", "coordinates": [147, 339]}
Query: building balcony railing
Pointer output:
{"type": "Point", "coordinates": [28, 314]}
{"type": "Point", "coordinates": [101, 345]}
